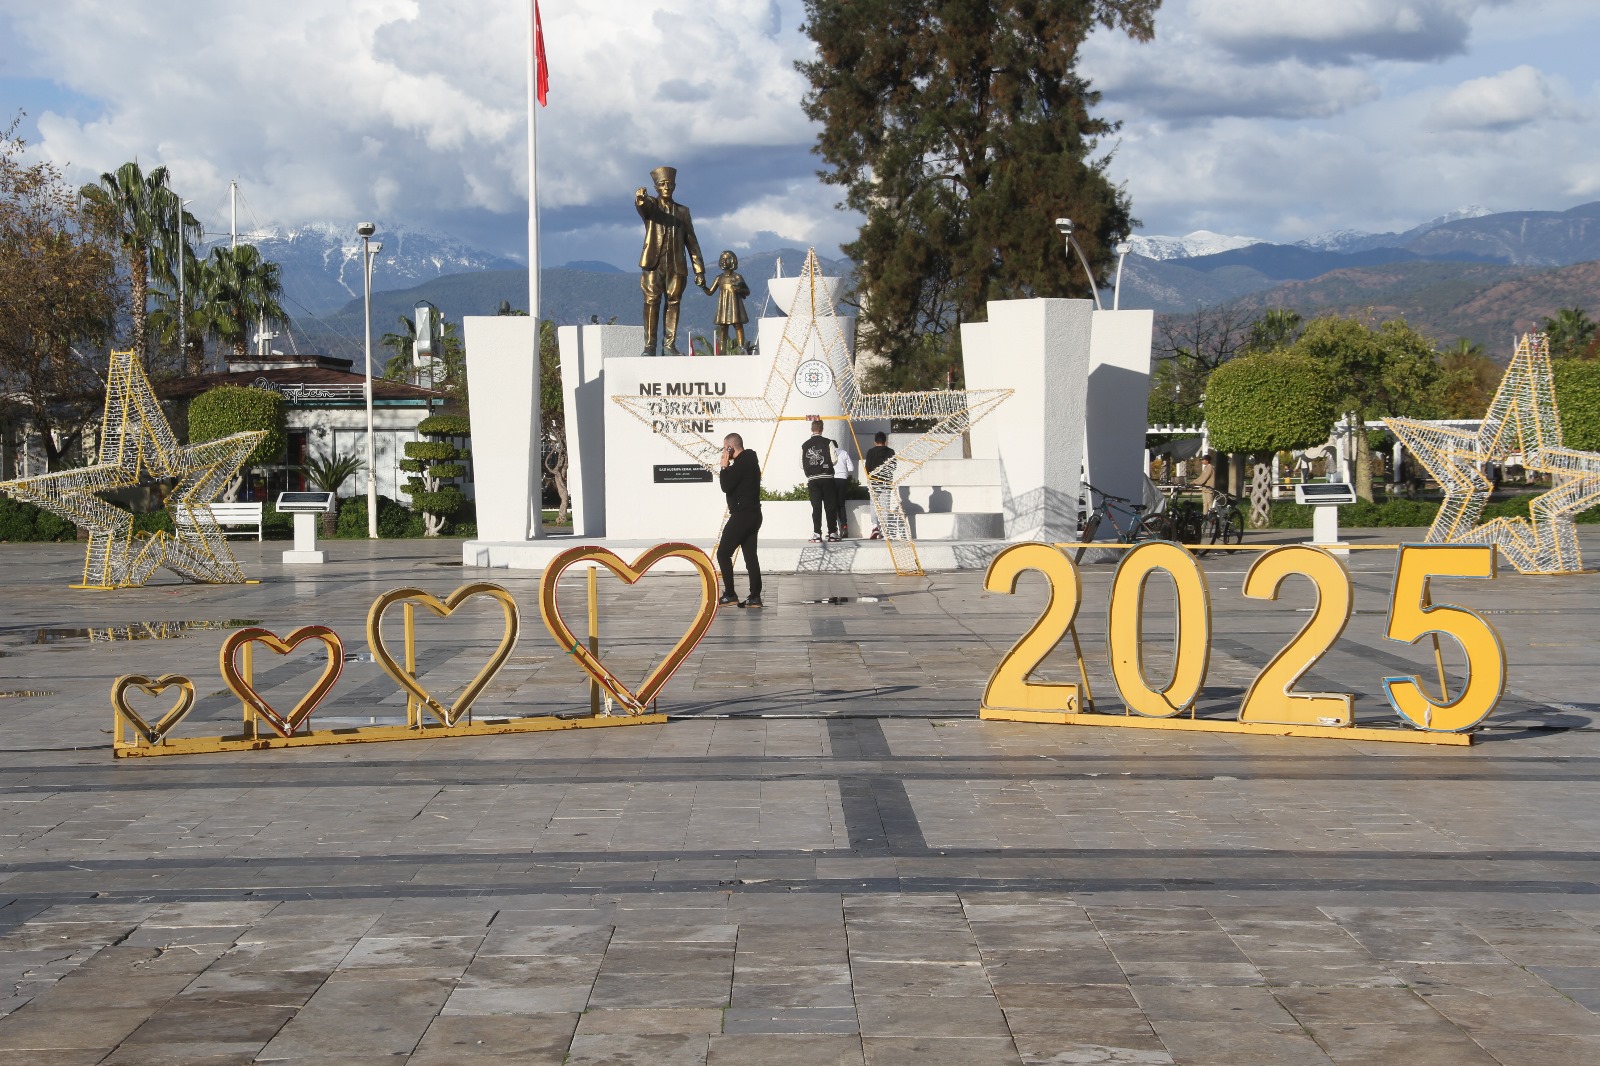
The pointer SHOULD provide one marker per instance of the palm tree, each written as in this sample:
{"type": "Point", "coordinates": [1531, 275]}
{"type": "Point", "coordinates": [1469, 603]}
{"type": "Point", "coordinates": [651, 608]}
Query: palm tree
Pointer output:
{"type": "Point", "coordinates": [163, 323]}
{"type": "Point", "coordinates": [236, 288]}
{"type": "Point", "coordinates": [151, 227]}
{"type": "Point", "coordinates": [1570, 331]}
{"type": "Point", "coordinates": [1278, 328]}
{"type": "Point", "coordinates": [329, 473]}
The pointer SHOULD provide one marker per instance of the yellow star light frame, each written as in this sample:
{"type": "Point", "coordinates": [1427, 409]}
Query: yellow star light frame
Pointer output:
{"type": "Point", "coordinates": [1522, 417]}
{"type": "Point", "coordinates": [136, 441]}
{"type": "Point", "coordinates": [951, 412]}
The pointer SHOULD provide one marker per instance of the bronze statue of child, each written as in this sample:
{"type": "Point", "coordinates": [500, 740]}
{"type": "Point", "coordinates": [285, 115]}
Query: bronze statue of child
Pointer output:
{"type": "Point", "coordinates": [730, 290]}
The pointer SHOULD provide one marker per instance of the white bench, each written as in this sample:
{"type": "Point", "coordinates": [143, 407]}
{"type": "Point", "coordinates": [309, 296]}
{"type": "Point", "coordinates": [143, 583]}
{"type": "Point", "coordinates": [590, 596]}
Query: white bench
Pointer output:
{"type": "Point", "coordinates": [236, 514]}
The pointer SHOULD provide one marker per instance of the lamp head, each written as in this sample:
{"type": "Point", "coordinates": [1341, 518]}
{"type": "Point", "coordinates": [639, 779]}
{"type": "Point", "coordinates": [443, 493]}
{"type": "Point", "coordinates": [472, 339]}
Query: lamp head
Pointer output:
{"type": "Point", "coordinates": [1123, 248]}
{"type": "Point", "coordinates": [1064, 225]}
{"type": "Point", "coordinates": [366, 229]}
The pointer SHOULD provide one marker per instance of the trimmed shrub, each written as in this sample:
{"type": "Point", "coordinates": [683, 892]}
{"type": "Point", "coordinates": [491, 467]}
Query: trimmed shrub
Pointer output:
{"type": "Point", "coordinates": [229, 409]}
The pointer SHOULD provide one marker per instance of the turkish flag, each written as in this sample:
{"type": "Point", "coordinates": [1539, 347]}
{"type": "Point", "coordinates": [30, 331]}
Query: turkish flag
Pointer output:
{"type": "Point", "coordinates": [542, 85]}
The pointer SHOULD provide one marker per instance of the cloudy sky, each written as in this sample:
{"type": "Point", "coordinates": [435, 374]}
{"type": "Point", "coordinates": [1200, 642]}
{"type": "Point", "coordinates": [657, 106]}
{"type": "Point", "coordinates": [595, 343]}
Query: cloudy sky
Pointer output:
{"type": "Point", "coordinates": [1277, 119]}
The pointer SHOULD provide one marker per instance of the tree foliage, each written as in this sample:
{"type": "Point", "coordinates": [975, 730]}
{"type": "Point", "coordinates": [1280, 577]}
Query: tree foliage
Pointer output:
{"type": "Point", "coordinates": [1390, 370]}
{"type": "Point", "coordinates": [229, 409]}
{"type": "Point", "coordinates": [1578, 397]}
{"type": "Point", "coordinates": [960, 129]}
{"type": "Point", "coordinates": [1572, 332]}
{"type": "Point", "coordinates": [58, 296]}
{"type": "Point", "coordinates": [237, 289]}
{"type": "Point", "coordinates": [151, 228]}
{"type": "Point", "coordinates": [1270, 402]}
{"type": "Point", "coordinates": [1468, 379]}
{"type": "Point", "coordinates": [1186, 349]}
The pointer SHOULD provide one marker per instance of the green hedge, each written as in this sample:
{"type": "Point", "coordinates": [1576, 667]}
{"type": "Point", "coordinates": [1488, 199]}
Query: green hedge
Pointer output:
{"type": "Point", "coordinates": [21, 522]}
{"type": "Point", "coordinates": [229, 409]}
{"type": "Point", "coordinates": [1578, 395]}
{"type": "Point", "coordinates": [1393, 511]}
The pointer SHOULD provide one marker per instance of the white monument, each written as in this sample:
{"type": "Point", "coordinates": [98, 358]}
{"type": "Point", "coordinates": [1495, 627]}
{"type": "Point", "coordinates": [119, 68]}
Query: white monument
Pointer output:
{"type": "Point", "coordinates": [643, 433]}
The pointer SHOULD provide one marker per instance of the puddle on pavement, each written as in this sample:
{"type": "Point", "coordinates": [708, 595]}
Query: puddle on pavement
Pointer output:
{"type": "Point", "coordinates": [136, 631]}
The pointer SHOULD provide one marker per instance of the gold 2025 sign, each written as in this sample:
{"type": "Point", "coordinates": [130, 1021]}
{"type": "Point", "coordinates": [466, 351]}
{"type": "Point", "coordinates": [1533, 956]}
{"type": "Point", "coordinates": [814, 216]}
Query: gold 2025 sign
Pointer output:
{"type": "Point", "coordinates": [1272, 704]}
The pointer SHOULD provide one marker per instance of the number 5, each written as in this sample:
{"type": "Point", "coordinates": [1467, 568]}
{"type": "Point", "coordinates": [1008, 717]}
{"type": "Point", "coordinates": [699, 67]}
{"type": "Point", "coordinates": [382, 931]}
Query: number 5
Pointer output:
{"type": "Point", "coordinates": [1413, 615]}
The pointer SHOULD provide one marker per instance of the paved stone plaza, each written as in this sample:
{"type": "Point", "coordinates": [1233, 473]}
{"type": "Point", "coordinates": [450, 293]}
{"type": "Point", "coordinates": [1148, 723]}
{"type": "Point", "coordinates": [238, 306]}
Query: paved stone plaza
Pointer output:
{"type": "Point", "coordinates": [825, 858]}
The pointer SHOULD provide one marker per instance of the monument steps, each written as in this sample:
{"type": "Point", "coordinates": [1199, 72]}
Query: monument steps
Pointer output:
{"type": "Point", "coordinates": [788, 556]}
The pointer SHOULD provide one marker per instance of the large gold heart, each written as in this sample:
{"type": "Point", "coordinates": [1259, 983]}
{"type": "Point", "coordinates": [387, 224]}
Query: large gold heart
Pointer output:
{"type": "Point", "coordinates": [283, 725]}
{"type": "Point", "coordinates": [463, 703]}
{"type": "Point", "coordinates": [121, 712]}
{"type": "Point", "coordinates": [636, 702]}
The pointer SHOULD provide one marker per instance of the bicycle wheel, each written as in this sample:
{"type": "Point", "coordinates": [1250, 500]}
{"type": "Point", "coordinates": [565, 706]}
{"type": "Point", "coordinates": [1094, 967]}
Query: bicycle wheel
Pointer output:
{"type": "Point", "coordinates": [1210, 533]}
{"type": "Point", "coordinates": [1153, 527]}
{"type": "Point", "coordinates": [1090, 528]}
{"type": "Point", "coordinates": [1233, 528]}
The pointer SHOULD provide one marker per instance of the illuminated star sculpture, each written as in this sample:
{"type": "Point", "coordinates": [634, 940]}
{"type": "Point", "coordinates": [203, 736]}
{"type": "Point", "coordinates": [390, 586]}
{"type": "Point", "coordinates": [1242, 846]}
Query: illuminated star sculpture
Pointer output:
{"type": "Point", "coordinates": [1522, 417]}
{"type": "Point", "coordinates": [812, 322]}
{"type": "Point", "coordinates": [135, 442]}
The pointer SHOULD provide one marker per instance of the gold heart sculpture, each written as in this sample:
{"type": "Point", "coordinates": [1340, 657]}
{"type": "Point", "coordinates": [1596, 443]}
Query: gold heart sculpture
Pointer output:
{"type": "Point", "coordinates": [121, 712]}
{"type": "Point", "coordinates": [463, 704]}
{"type": "Point", "coordinates": [636, 702]}
{"type": "Point", "coordinates": [283, 725]}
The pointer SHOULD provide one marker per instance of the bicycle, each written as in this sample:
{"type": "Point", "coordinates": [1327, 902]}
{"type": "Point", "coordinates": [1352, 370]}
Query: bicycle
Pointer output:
{"type": "Point", "coordinates": [1222, 523]}
{"type": "Point", "coordinates": [1141, 526]}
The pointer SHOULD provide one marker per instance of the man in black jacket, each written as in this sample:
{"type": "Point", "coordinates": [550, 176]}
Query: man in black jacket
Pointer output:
{"type": "Point", "coordinates": [741, 483]}
{"type": "Point", "coordinates": [817, 457]}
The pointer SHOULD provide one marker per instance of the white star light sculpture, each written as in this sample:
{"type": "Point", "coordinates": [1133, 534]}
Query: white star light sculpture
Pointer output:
{"type": "Point", "coordinates": [1522, 417]}
{"type": "Point", "coordinates": [136, 440]}
{"type": "Point", "coordinates": [811, 316]}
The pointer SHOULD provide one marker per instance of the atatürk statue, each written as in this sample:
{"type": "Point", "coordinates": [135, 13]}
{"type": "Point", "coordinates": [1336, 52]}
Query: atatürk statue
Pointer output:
{"type": "Point", "coordinates": [668, 233]}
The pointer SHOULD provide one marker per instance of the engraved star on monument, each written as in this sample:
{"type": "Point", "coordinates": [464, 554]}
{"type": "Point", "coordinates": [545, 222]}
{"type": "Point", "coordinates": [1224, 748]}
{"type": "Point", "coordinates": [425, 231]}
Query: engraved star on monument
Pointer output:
{"type": "Point", "coordinates": [812, 318]}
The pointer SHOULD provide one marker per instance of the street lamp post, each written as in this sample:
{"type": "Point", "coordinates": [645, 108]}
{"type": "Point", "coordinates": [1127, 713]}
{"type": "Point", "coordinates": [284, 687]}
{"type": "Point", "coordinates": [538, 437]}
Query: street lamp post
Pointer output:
{"type": "Point", "coordinates": [369, 251]}
{"type": "Point", "coordinates": [1123, 247]}
{"type": "Point", "coordinates": [1064, 226]}
{"type": "Point", "coordinates": [183, 318]}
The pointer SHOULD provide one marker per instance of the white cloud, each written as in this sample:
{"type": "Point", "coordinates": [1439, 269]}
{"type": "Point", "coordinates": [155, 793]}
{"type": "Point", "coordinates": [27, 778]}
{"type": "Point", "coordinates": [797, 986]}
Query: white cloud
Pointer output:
{"type": "Point", "coordinates": [1338, 31]}
{"type": "Point", "coordinates": [1501, 101]}
{"type": "Point", "coordinates": [415, 108]}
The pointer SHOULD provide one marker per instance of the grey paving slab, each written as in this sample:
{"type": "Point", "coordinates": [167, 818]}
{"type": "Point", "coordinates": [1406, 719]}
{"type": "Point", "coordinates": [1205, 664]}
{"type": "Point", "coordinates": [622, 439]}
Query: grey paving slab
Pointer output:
{"type": "Point", "coordinates": [874, 878]}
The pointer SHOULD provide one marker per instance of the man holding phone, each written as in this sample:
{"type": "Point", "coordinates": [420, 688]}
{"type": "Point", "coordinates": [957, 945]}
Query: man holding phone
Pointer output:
{"type": "Point", "coordinates": [741, 483]}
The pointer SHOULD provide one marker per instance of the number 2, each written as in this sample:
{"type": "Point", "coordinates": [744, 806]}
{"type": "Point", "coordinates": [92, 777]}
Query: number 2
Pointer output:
{"type": "Point", "coordinates": [1009, 688]}
{"type": "Point", "coordinates": [1270, 698]}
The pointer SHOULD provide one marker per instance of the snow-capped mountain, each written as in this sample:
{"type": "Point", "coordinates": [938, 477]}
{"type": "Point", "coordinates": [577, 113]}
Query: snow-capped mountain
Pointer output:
{"type": "Point", "coordinates": [1200, 242]}
{"type": "Point", "coordinates": [1349, 240]}
{"type": "Point", "coordinates": [321, 262]}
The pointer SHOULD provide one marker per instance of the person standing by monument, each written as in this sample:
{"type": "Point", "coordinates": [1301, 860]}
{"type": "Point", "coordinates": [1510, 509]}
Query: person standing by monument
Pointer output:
{"type": "Point", "coordinates": [844, 468]}
{"type": "Point", "coordinates": [876, 456]}
{"type": "Point", "coordinates": [740, 478]}
{"type": "Point", "coordinates": [668, 235]}
{"type": "Point", "coordinates": [817, 457]}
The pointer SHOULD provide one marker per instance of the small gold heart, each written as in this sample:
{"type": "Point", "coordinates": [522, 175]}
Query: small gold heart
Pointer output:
{"type": "Point", "coordinates": [593, 553]}
{"type": "Point", "coordinates": [463, 703]}
{"type": "Point", "coordinates": [121, 712]}
{"type": "Point", "coordinates": [283, 725]}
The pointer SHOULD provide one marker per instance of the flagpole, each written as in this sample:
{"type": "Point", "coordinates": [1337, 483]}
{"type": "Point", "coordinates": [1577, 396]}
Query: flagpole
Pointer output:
{"type": "Point", "coordinates": [536, 519]}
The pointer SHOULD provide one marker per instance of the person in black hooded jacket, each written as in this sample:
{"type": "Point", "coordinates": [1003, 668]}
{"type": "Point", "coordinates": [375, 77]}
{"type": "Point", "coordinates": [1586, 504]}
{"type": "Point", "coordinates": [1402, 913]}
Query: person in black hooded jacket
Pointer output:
{"type": "Point", "coordinates": [741, 483]}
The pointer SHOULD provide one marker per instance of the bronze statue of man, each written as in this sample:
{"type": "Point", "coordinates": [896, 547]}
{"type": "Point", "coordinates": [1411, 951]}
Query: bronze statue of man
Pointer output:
{"type": "Point", "coordinates": [668, 233]}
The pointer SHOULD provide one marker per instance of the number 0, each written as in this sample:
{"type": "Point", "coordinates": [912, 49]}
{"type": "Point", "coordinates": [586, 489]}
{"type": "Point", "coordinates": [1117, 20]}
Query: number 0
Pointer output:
{"type": "Point", "coordinates": [1191, 656]}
